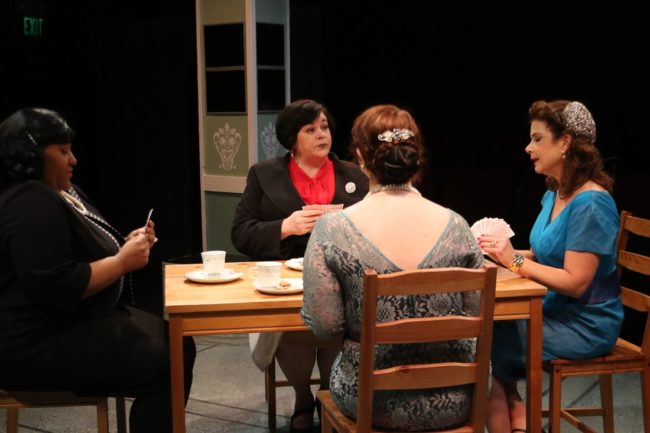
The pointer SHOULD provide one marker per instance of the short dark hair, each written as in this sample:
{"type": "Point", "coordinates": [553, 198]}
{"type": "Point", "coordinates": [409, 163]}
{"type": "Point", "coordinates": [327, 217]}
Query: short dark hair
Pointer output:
{"type": "Point", "coordinates": [43, 125]}
{"type": "Point", "coordinates": [23, 135]}
{"type": "Point", "coordinates": [296, 115]}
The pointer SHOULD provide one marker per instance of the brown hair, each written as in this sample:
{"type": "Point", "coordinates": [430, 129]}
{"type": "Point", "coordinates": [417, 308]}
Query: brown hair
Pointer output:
{"type": "Point", "coordinates": [394, 162]}
{"type": "Point", "coordinates": [582, 161]}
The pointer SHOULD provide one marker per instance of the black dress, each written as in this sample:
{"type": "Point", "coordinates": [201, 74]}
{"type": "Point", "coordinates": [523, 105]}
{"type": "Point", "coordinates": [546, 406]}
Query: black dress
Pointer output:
{"type": "Point", "coordinates": [51, 338]}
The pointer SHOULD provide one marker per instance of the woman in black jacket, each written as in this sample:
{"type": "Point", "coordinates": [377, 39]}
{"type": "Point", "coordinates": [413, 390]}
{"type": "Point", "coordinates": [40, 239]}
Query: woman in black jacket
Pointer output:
{"type": "Point", "coordinates": [274, 218]}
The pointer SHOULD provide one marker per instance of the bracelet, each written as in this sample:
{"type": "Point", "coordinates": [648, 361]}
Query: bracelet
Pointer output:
{"type": "Point", "coordinates": [517, 261]}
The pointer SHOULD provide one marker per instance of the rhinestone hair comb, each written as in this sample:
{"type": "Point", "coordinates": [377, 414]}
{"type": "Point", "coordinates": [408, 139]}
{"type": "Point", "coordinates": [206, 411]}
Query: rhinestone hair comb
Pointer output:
{"type": "Point", "coordinates": [396, 135]}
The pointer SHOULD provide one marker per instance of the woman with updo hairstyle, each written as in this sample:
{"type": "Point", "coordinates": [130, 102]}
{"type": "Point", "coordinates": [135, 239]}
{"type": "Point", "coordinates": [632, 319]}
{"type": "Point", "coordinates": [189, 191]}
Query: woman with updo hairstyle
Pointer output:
{"type": "Point", "coordinates": [392, 162]}
{"type": "Point", "coordinates": [572, 252]}
{"type": "Point", "coordinates": [371, 235]}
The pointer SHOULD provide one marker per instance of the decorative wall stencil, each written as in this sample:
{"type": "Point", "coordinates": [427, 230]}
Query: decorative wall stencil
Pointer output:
{"type": "Point", "coordinates": [269, 141]}
{"type": "Point", "coordinates": [227, 141]}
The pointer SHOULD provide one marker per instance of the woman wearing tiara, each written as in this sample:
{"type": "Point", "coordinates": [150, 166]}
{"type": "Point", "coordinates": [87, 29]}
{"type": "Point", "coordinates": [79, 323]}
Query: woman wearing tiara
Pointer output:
{"type": "Point", "coordinates": [371, 235]}
{"type": "Point", "coordinates": [62, 268]}
{"type": "Point", "coordinates": [572, 253]}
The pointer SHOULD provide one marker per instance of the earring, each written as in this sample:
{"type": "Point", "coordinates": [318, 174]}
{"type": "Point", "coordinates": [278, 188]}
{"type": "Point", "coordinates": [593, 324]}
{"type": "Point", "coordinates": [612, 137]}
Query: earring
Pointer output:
{"type": "Point", "coordinates": [563, 155]}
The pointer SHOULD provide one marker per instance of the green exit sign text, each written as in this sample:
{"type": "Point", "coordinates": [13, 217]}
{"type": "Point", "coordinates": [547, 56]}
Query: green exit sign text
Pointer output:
{"type": "Point", "coordinates": [32, 26]}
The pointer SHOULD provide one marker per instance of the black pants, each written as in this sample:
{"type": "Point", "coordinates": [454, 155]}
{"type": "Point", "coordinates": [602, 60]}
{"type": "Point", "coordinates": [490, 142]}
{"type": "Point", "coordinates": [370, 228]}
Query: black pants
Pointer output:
{"type": "Point", "coordinates": [126, 354]}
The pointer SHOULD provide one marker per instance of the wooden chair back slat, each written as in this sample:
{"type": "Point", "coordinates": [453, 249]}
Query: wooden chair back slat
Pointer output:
{"type": "Point", "coordinates": [428, 330]}
{"type": "Point", "coordinates": [638, 301]}
{"type": "Point", "coordinates": [426, 376]}
{"type": "Point", "coordinates": [446, 281]}
{"type": "Point", "coordinates": [634, 262]}
{"type": "Point", "coordinates": [638, 226]}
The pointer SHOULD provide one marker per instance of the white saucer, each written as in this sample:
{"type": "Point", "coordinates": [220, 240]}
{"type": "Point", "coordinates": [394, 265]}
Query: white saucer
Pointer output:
{"type": "Point", "coordinates": [296, 287]}
{"type": "Point", "coordinates": [295, 264]}
{"type": "Point", "coordinates": [226, 276]}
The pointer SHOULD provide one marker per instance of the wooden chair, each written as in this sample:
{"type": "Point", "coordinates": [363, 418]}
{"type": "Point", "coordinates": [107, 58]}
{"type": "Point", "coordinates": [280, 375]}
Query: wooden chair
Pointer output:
{"type": "Point", "coordinates": [270, 384]}
{"type": "Point", "coordinates": [625, 357]}
{"type": "Point", "coordinates": [13, 401]}
{"type": "Point", "coordinates": [420, 330]}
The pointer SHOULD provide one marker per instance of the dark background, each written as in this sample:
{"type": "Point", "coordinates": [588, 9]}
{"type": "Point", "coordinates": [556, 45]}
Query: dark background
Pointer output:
{"type": "Point", "coordinates": [124, 75]}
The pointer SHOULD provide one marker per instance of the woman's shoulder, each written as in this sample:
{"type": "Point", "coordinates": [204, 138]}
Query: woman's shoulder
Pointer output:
{"type": "Point", "coordinates": [29, 197]}
{"type": "Point", "coordinates": [277, 163]}
{"type": "Point", "coordinates": [330, 224]}
{"type": "Point", "coordinates": [594, 197]}
{"type": "Point", "coordinates": [31, 188]}
{"type": "Point", "coordinates": [343, 165]}
{"type": "Point", "coordinates": [594, 205]}
{"type": "Point", "coordinates": [267, 172]}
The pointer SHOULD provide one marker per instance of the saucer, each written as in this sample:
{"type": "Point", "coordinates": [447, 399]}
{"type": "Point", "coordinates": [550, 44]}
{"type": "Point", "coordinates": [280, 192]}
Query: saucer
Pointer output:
{"type": "Point", "coordinates": [295, 264]}
{"type": "Point", "coordinates": [295, 287]}
{"type": "Point", "coordinates": [225, 276]}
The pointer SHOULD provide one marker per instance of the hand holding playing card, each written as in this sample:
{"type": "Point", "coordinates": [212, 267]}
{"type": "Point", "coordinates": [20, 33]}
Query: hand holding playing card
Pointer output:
{"type": "Point", "coordinates": [491, 226]}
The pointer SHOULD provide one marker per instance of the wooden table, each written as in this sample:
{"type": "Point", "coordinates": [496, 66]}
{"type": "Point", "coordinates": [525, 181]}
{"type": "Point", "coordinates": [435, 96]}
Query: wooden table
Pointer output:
{"type": "Point", "coordinates": [234, 308]}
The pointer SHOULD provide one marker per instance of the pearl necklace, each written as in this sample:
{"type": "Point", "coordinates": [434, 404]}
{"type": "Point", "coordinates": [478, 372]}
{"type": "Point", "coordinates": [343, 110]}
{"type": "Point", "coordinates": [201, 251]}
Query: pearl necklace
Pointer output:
{"type": "Point", "coordinates": [77, 204]}
{"type": "Point", "coordinates": [395, 187]}
{"type": "Point", "coordinates": [93, 219]}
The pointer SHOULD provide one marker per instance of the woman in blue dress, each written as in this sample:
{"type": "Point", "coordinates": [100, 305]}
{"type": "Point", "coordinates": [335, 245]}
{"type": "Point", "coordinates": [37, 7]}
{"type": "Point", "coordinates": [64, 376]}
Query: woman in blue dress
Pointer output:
{"type": "Point", "coordinates": [572, 253]}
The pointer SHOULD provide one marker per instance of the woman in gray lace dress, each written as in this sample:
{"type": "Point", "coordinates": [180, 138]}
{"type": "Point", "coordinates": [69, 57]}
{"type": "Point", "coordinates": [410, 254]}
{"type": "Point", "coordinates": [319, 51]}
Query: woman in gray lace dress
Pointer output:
{"type": "Point", "coordinates": [394, 228]}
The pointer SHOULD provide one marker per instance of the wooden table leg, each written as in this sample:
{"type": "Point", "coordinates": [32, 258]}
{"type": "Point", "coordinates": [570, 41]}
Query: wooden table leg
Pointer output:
{"type": "Point", "coordinates": [534, 367]}
{"type": "Point", "coordinates": [177, 376]}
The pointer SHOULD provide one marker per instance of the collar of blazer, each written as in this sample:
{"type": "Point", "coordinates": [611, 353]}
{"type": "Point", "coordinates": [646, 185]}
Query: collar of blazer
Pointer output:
{"type": "Point", "coordinates": [276, 184]}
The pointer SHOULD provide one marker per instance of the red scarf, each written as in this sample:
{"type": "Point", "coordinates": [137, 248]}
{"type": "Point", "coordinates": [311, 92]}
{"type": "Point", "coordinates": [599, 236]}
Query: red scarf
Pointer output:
{"type": "Point", "coordinates": [319, 190]}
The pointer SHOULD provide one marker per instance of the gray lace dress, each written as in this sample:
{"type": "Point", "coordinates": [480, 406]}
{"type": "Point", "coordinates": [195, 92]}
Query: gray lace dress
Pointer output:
{"type": "Point", "coordinates": [336, 258]}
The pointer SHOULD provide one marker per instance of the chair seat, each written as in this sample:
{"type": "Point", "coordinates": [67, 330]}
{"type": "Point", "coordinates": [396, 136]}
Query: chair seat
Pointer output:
{"type": "Point", "coordinates": [341, 422]}
{"type": "Point", "coordinates": [328, 407]}
{"type": "Point", "coordinates": [618, 360]}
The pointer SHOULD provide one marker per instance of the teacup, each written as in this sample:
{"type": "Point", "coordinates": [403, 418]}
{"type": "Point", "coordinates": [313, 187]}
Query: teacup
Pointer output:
{"type": "Point", "coordinates": [213, 261]}
{"type": "Point", "coordinates": [266, 274]}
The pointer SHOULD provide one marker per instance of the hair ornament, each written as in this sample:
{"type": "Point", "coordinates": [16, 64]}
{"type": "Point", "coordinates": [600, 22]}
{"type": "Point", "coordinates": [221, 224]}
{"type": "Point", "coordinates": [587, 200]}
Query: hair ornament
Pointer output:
{"type": "Point", "coordinates": [396, 135]}
{"type": "Point", "coordinates": [31, 138]}
{"type": "Point", "coordinates": [578, 120]}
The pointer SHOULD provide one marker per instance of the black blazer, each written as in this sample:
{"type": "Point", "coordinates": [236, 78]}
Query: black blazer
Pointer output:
{"type": "Point", "coordinates": [270, 197]}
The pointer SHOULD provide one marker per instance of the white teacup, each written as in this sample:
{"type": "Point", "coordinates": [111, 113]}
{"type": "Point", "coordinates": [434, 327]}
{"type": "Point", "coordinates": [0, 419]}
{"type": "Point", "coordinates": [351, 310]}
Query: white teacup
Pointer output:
{"type": "Point", "coordinates": [213, 261]}
{"type": "Point", "coordinates": [266, 274]}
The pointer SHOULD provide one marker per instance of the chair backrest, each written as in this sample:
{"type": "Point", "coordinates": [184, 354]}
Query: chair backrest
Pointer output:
{"type": "Point", "coordinates": [634, 262]}
{"type": "Point", "coordinates": [425, 330]}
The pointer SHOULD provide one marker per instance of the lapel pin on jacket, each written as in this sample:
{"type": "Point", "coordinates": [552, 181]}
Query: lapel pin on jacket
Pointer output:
{"type": "Point", "coordinates": [350, 187]}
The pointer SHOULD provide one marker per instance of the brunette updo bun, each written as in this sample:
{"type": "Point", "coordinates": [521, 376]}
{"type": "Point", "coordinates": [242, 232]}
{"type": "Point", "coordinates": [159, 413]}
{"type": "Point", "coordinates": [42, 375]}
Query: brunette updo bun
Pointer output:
{"type": "Point", "coordinates": [394, 163]}
{"type": "Point", "coordinates": [397, 156]}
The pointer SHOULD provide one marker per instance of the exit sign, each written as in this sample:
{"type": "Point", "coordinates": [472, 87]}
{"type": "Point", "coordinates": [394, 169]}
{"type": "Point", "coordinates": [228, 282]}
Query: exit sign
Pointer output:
{"type": "Point", "coordinates": [33, 26]}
